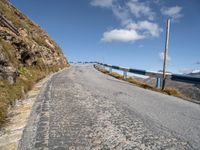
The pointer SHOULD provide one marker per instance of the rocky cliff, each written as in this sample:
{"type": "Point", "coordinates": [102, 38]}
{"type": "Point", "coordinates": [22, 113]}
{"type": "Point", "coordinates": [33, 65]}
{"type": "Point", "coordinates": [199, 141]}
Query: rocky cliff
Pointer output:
{"type": "Point", "coordinates": [27, 54]}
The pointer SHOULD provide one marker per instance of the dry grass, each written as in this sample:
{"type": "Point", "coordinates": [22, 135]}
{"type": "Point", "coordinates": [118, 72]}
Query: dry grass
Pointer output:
{"type": "Point", "coordinates": [9, 51]}
{"type": "Point", "coordinates": [174, 92]}
{"type": "Point", "coordinates": [169, 91]}
{"type": "Point", "coordinates": [13, 15]}
{"type": "Point", "coordinates": [27, 78]}
{"type": "Point", "coordinates": [116, 75]}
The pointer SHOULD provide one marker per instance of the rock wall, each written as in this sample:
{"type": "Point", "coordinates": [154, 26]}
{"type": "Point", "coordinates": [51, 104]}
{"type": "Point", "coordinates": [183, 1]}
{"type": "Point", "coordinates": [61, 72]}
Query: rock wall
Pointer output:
{"type": "Point", "coordinates": [29, 46]}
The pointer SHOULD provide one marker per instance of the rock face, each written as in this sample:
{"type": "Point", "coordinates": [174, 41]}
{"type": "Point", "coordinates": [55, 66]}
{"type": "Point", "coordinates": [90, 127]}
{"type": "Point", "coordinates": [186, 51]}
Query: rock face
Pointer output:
{"type": "Point", "coordinates": [7, 71]}
{"type": "Point", "coordinates": [27, 45]}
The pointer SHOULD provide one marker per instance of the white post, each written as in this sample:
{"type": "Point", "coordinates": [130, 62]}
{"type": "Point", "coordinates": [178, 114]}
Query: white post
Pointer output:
{"type": "Point", "coordinates": [166, 53]}
{"type": "Point", "coordinates": [110, 70]}
{"type": "Point", "coordinates": [125, 75]}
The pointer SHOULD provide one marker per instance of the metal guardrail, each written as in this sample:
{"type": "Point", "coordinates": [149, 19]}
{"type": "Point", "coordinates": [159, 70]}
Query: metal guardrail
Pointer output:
{"type": "Point", "coordinates": [185, 78]}
{"type": "Point", "coordinates": [158, 75]}
{"type": "Point", "coordinates": [6, 23]}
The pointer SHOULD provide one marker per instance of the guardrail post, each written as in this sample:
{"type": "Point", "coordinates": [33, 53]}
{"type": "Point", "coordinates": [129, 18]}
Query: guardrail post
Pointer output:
{"type": "Point", "coordinates": [125, 74]}
{"type": "Point", "coordinates": [110, 69]}
{"type": "Point", "coordinates": [102, 67]}
{"type": "Point", "coordinates": [157, 75]}
{"type": "Point", "coordinates": [158, 82]}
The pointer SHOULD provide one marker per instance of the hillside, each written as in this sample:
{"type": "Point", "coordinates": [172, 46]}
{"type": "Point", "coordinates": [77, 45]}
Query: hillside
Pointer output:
{"type": "Point", "coordinates": [27, 54]}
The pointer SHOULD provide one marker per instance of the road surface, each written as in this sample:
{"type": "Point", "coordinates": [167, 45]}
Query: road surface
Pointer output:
{"type": "Point", "coordinates": [82, 108]}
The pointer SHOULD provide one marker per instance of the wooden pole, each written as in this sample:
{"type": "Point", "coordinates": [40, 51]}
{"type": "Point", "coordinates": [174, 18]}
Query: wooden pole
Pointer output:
{"type": "Point", "coordinates": [166, 53]}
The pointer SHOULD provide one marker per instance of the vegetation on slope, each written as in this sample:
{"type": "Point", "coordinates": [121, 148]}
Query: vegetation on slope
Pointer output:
{"type": "Point", "coordinates": [25, 58]}
{"type": "Point", "coordinates": [169, 91]}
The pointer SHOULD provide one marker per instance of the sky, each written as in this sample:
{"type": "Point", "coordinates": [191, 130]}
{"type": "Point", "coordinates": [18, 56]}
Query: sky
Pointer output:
{"type": "Point", "coordinates": [127, 33]}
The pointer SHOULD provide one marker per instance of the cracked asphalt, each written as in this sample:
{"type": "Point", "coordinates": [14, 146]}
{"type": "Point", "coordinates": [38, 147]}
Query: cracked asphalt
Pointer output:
{"type": "Point", "coordinates": [81, 108]}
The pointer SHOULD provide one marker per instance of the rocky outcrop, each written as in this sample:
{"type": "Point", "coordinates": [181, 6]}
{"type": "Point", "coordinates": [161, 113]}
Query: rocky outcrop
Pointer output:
{"type": "Point", "coordinates": [27, 54]}
{"type": "Point", "coordinates": [23, 43]}
{"type": "Point", "coordinates": [7, 71]}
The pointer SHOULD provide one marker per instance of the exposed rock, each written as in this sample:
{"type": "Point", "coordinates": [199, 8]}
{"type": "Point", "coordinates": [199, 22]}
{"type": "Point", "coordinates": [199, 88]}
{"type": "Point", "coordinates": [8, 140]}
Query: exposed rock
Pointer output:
{"type": "Point", "coordinates": [3, 60]}
{"type": "Point", "coordinates": [31, 47]}
{"type": "Point", "coordinates": [23, 32]}
{"type": "Point", "coordinates": [7, 72]}
{"type": "Point", "coordinates": [51, 45]}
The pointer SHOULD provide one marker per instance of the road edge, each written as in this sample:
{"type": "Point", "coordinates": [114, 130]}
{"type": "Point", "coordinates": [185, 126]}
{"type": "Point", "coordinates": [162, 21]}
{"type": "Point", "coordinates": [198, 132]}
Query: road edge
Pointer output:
{"type": "Point", "coordinates": [12, 133]}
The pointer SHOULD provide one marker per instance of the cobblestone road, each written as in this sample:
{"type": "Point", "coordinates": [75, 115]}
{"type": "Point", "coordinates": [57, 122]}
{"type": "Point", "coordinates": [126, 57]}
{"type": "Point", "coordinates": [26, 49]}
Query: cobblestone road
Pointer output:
{"type": "Point", "coordinates": [73, 114]}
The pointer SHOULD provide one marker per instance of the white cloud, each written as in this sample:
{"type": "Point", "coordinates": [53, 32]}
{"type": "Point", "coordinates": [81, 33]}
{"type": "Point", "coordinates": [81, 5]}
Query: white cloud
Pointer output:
{"type": "Point", "coordinates": [186, 70]}
{"type": "Point", "coordinates": [161, 55]}
{"type": "Point", "coordinates": [189, 70]}
{"type": "Point", "coordinates": [137, 19]}
{"type": "Point", "coordinates": [122, 14]}
{"type": "Point", "coordinates": [148, 28]}
{"type": "Point", "coordinates": [121, 35]}
{"type": "Point", "coordinates": [102, 3]}
{"type": "Point", "coordinates": [140, 9]}
{"type": "Point", "coordinates": [126, 11]}
{"type": "Point", "coordinates": [173, 12]}
{"type": "Point", "coordinates": [133, 32]}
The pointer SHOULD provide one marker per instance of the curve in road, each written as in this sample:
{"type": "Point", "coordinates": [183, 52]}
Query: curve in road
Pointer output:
{"type": "Point", "coordinates": [81, 108]}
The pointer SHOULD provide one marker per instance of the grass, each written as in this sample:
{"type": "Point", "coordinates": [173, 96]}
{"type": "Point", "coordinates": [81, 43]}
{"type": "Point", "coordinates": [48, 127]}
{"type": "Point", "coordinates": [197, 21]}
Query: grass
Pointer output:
{"type": "Point", "coordinates": [28, 76]}
{"type": "Point", "coordinates": [116, 75]}
{"type": "Point", "coordinates": [173, 92]}
{"type": "Point", "coordinates": [10, 93]}
{"type": "Point", "coordinates": [21, 21]}
{"type": "Point", "coordinates": [168, 91]}
{"type": "Point", "coordinates": [40, 39]}
{"type": "Point", "coordinates": [9, 51]}
{"type": "Point", "coordinates": [10, 14]}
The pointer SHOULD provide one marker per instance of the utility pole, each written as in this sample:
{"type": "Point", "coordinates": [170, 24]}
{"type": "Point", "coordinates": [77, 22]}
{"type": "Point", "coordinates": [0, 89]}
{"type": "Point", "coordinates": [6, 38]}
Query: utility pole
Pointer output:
{"type": "Point", "coordinates": [165, 53]}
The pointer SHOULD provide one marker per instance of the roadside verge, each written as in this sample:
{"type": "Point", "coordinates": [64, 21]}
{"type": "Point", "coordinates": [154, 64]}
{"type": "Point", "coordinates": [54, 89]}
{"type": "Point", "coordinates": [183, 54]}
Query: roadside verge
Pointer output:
{"type": "Point", "coordinates": [131, 80]}
{"type": "Point", "coordinates": [11, 133]}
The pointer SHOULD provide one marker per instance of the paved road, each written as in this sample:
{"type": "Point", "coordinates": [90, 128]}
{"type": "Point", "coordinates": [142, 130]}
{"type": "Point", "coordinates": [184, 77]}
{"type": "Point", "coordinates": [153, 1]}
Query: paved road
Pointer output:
{"type": "Point", "coordinates": [81, 108]}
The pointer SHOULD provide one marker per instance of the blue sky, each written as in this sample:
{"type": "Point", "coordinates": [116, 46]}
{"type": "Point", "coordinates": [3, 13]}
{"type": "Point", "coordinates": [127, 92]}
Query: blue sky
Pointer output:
{"type": "Point", "coordinates": [129, 33]}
